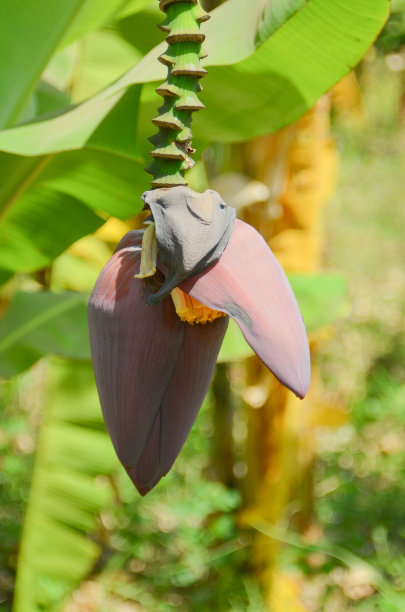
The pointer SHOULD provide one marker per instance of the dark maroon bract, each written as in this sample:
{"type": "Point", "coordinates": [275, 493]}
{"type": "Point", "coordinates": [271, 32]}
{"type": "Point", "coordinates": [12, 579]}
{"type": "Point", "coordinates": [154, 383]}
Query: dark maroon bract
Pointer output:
{"type": "Point", "coordinates": [153, 370]}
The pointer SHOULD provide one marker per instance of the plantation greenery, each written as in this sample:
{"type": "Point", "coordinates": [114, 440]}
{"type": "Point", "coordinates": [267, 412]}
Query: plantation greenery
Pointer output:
{"type": "Point", "coordinates": [77, 96]}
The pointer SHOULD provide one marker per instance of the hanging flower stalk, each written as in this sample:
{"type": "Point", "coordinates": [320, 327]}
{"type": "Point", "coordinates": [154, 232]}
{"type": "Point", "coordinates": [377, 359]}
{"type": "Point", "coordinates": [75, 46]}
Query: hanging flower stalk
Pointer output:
{"type": "Point", "coordinates": [173, 146]}
{"type": "Point", "coordinates": [160, 307]}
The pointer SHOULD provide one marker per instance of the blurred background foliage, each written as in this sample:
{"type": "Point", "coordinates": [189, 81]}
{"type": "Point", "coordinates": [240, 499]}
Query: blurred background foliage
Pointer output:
{"type": "Point", "coordinates": [274, 504]}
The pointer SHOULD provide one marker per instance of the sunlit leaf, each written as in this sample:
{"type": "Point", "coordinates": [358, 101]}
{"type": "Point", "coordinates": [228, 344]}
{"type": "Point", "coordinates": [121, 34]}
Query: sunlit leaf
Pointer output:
{"type": "Point", "coordinates": [133, 6]}
{"type": "Point", "coordinates": [140, 29]}
{"type": "Point", "coordinates": [31, 32]}
{"type": "Point", "coordinates": [237, 27]}
{"type": "Point", "coordinates": [93, 13]}
{"type": "Point", "coordinates": [300, 61]}
{"type": "Point", "coordinates": [323, 298]}
{"type": "Point", "coordinates": [36, 324]}
{"type": "Point", "coordinates": [234, 346]}
{"type": "Point", "coordinates": [95, 122]}
{"type": "Point", "coordinates": [285, 76]}
{"type": "Point", "coordinates": [77, 268]}
{"type": "Point", "coordinates": [48, 203]}
{"type": "Point", "coordinates": [66, 494]}
{"type": "Point", "coordinates": [40, 226]}
{"type": "Point", "coordinates": [274, 15]}
{"type": "Point", "coordinates": [103, 56]}
{"type": "Point", "coordinates": [73, 273]}
{"type": "Point", "coordinates": [45, 99]}
{"type": "Point", "coordinates": [110, 183]}
{"type": "Point", "coordinates": [49, 99]}
{"type": "Point", "coordinates": [232, 34]}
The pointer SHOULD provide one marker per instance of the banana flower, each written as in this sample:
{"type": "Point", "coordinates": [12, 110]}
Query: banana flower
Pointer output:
{"type": "Point", "coordinates": [159, 312]}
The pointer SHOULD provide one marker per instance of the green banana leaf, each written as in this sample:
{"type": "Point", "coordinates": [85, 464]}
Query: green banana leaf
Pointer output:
{"type": "Point", "coordinates": [49, 202]}
{"type": "Point", "coordinates": [322, 298]}
{"type": "Point", "coordinates": [67, 491]}
{"type": "Point", "coordinates": [277, 83]}
{"type": "Point", "coordinates": [298, 63]}
{"type": "Point", "coordinates": [30, 34]}
{"type": "Point", "coordinates": [94, 13]}
{"type": "Point", "coordinates": [104, 55]}
{"type": "Point", "coordinates": [102, 138]}
{"type": "Point", "coordinates": [36, 324]}
{"type": "Point", "coordinates": [45, 200]}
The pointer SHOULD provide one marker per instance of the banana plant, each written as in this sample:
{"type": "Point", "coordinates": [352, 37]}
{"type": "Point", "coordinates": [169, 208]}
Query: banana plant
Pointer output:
{"type": "Point", "coordinates": [160, 308]}
{"type": "Point", "coordinates": [68, 164]}
{"type": "Point", "coordinates": [81, 163]}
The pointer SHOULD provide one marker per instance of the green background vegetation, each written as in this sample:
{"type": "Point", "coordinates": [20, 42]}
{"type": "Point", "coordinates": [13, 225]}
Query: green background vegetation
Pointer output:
{"type": "Point", "coordinates": [86, 530]}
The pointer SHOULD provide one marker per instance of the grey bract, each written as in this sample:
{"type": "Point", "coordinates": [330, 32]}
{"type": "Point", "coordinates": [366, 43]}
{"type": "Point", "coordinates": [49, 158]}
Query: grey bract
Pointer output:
{"type": "Point", "coordinates": [192, 231]}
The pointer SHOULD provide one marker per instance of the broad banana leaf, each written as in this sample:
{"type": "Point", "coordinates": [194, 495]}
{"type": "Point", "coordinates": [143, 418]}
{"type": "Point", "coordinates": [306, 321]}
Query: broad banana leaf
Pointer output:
{"type": "Point", "coordinates": [278, 82]}
{"type": "Point", "coordinates": [67, 491]}
{"type": "Point", "coordinates": [268, 86]}
{"type": "Point", "coordinates": [30, 34]}
{"type": "Point", "coordinates": [36, 324]}
{"type": "Point", "coordinates": [49, 202]}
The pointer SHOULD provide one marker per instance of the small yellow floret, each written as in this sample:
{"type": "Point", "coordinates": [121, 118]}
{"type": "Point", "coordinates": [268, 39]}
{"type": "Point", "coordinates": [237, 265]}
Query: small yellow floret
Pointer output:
{"type": "Point", "coordinates": [149, 253]}
{"type": "Point", "coordinates": [191, 311]}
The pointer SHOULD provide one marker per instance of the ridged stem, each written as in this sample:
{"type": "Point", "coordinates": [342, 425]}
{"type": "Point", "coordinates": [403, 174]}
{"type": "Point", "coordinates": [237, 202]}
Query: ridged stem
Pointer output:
{"type": "Point", "coordinates": [171, 155]}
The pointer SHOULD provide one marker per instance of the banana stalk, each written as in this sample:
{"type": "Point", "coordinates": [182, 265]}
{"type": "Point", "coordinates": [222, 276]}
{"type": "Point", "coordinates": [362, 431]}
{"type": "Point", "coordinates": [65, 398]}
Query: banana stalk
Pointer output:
{"type": "Point", "coordinates": [173, 146]}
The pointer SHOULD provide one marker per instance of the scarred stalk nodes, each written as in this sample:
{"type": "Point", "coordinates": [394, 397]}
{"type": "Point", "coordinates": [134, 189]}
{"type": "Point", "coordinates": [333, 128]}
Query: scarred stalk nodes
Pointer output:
{"type": "Point", "coordinates": [173, 141]}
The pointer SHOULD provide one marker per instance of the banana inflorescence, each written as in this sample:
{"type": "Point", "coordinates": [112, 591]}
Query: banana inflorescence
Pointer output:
{"type": "Point", "coordinates": [173, 149]}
